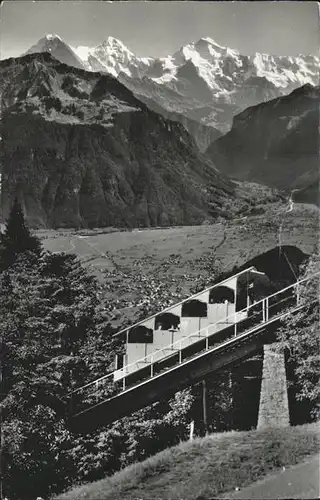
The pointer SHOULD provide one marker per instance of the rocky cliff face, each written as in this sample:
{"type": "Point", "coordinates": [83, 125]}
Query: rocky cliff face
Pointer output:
{"type": "Point", "coordinates": [80, 150]}
{"type": "Point", "coordinates": [275, 143]}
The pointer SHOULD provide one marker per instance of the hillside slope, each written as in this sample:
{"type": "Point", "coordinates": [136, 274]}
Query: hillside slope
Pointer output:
{"type": "Point", "coordinates": [205, 468]}
{"type": "Point", "coordinates": [275, 143]}
{"type": "Point", "coordinates": [80, 150]}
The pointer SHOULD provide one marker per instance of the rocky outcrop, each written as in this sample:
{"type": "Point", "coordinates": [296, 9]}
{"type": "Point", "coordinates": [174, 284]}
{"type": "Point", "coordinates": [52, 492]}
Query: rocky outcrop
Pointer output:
{"type": "Point", "coordinates": [80, 150]}
{"type": "Point", "coordinates": [275, 143]}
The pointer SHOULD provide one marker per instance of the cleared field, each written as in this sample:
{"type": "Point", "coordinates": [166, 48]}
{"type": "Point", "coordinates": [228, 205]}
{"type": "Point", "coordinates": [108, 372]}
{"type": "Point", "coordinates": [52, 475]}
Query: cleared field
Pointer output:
{"type": "Point", "coordinates": [157, 267]}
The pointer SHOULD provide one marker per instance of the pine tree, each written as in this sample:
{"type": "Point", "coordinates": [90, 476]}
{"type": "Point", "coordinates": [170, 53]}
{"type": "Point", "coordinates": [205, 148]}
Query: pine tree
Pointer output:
{"type": "Point", "coordinates": [47, 310]}
{"type": "Point", "coordinates": [17, 238]}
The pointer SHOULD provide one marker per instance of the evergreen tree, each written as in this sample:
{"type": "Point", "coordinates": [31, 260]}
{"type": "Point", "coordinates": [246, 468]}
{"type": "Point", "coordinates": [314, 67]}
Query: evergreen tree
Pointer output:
{"type": "Point", "coordinates": [47, 309]}
{"type": "Point", "coordinates": [17, 238]}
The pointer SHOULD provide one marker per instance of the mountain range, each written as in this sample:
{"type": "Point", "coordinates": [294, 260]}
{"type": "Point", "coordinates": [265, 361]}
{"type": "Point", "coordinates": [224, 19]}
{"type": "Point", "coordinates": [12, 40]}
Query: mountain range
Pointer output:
{"type": "Point", "coordinates": [276, 143]}
{"type": "Point", "coordinates": [83, 147]}
{"type": "Point", "coordinates": [80, 150]}
{"type": "Point", "coordinates": [201, 83]}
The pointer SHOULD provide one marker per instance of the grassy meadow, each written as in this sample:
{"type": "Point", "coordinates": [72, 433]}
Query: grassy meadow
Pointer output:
{"type": "Point", "coordinates": [206, 468]}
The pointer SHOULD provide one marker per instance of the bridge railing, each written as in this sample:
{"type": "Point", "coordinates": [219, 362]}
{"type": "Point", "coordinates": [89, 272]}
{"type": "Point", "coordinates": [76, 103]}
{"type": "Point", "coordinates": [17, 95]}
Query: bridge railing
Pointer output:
{"type": "Point", "coordinates": [178, 352]}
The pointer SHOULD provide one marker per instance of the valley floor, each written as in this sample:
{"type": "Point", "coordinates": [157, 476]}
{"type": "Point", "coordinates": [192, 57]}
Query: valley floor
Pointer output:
{"type": "Point", "coordinates": [161, 266]}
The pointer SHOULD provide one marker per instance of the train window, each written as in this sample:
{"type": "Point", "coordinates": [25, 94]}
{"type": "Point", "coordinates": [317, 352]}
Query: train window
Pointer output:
{"type": "Point", "coordinates": [140, 335]}
{"type": "Point", "coordinates": [221, 294]}
{"type": "Point", "coordinates": [194, 309]}
{"type": "Point", "coordinates": [242, 291]}
{"type": "Point", "coordinates": [119, 361]}
{"type": "Point", "coordinates": [167, 321]}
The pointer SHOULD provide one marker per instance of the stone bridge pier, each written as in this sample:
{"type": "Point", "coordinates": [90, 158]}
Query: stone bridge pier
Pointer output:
{"type": "Point", "coordinates": [274, 406]}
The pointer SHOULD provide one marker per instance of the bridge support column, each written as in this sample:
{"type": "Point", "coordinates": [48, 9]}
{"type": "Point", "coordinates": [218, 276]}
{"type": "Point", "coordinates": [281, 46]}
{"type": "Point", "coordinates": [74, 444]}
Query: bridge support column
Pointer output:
{"type": "Point", "coordinates": [205, 405]}
{"type": "Point", "coordinates": [273, 407]}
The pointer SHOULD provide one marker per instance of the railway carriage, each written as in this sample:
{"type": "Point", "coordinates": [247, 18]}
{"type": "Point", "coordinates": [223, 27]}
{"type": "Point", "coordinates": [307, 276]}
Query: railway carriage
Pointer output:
{"type": "Point", "coordinates": [208, 316]}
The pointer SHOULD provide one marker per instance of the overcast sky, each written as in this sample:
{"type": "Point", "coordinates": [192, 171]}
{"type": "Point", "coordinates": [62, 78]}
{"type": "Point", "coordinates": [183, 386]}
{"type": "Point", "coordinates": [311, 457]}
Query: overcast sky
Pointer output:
{"type": "Point", "coordinates": [161, 28]}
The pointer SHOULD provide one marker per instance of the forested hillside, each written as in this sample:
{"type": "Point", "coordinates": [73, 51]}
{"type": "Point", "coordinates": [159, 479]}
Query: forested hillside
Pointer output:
{"type": "Point", "coordinates": [55, 336]}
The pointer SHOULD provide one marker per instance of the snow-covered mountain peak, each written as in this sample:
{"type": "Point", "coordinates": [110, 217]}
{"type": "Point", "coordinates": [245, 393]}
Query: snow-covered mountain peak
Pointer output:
{"type": "Point", "coordinates": [283, 71]}
{"type": "Point", "coordinates": [115, 44]}
{"type": "Point", "coordinates": [52, 36]}
{"type": "Point", "coordinates": [59, 49]}
{"type": "Point", "coordinates": [48, 42]}
{"type": "Point", "coordinates": [204, 51]}
{"type": "Point", "coordinates": [211, 42]}
{"type": "Point", "coordinates": [190, 53]}
{"type": "Point", "coordinates": [112, 55]}
{"type": "Point", "coordinates": [203, 80]}
{"type": "Point", "coordinates": [218, 65]}
{"type": "Point", "coordinates": [115, 58]}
